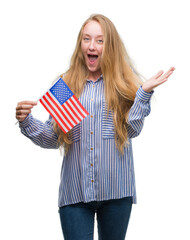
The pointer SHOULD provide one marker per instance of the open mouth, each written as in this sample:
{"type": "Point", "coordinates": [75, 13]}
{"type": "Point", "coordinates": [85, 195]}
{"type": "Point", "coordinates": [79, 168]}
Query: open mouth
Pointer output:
{"type": "Point", "coordinates": [92, 58]}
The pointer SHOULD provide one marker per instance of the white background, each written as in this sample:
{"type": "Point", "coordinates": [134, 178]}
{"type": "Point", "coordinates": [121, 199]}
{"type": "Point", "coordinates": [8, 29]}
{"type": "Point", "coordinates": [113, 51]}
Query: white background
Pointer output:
{"type": "Point", "coordinates": [36, 43]}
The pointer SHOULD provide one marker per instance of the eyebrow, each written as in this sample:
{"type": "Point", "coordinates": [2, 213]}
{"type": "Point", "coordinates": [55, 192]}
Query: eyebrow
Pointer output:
{"type": "Point", "coordinates": [89, 35]}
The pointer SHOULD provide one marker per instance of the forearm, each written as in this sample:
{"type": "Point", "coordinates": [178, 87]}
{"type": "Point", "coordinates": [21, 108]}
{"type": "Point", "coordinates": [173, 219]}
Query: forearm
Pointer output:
{"type": "Point", "coordinates": [139, 110]}
{"type": "Point", "coordinates": [40, 133]}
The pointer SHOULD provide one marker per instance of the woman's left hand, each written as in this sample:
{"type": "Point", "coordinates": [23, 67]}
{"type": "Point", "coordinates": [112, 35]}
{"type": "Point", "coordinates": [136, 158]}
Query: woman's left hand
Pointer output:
{"type": "Point", "coordinates": [157, 80]}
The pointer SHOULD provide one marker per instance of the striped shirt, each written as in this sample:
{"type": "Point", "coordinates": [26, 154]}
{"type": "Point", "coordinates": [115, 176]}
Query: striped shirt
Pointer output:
{"type": "Point", "coordinates": [93, 169]}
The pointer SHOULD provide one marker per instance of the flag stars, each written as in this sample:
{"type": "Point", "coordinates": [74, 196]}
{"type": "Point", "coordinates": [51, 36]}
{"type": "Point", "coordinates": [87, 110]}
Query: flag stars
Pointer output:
{"type": "Point", "coordinates": [61, 91]}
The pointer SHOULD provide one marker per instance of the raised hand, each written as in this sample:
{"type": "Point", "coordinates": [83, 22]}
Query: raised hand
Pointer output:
{"type": "Point", "coordinates": [157, 80]}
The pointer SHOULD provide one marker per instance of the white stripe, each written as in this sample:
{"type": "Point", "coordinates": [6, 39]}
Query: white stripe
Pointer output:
{"type": "Point", "coordinates": [54, 115]}
{"type": "Point", "coordinates": [74, 109]}
{"type": "Point", "coordinates": [60, 114]}
{"type": "Point", "coordinates": [73, 123]}
{"type": "Point", "coordinates": [76, 103]}
{"type": "Point", "coordinates": [68, 108]}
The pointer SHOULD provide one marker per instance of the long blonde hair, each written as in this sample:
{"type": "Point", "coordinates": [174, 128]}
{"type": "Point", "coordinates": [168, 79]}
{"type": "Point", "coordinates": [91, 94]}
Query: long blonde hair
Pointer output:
{"type": "Point", "coordinates": [120, 80]}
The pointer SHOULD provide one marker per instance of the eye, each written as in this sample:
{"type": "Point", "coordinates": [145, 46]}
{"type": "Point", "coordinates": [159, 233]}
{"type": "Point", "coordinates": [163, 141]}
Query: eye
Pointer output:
{"type": "Point", "coordinates": [86, 39]}
{"type": "Point", "coordinates": [100, 41]}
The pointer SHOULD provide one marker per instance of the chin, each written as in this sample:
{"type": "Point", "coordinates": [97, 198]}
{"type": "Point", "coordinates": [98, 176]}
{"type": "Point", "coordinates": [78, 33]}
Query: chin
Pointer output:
{"type": "Point", "coordinates": [92, 70]}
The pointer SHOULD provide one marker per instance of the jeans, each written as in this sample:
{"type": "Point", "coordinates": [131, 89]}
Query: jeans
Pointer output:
{"type": "Point", "coordinates": [77, 220]}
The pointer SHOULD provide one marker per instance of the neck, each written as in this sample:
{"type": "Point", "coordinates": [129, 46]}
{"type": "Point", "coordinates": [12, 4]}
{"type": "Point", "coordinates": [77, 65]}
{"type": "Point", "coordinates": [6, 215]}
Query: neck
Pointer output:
{"type": "Point", "coordinates": [93, 76]}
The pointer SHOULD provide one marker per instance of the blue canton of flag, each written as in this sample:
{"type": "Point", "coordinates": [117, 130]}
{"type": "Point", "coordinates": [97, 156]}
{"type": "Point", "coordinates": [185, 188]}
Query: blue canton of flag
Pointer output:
{"type": "Point", "coordinates": [61, 91]}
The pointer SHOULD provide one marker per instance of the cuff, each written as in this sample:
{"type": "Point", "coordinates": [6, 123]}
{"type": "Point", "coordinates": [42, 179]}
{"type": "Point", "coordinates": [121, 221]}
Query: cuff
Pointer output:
{"type": "Point", "coordinates": [26, 121]}
{"type": "Point", "coordinates": [144, 96]}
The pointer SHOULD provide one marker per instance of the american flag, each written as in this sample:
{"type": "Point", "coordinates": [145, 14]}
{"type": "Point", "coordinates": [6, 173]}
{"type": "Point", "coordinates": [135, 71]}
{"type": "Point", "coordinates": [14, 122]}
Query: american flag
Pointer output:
{"type": "Point", "coordinates": [63, 106]}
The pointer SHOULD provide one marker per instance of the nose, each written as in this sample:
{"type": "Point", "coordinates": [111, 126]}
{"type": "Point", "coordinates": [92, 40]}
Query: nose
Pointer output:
{"type": "Point", "coordinates": [92, 45]}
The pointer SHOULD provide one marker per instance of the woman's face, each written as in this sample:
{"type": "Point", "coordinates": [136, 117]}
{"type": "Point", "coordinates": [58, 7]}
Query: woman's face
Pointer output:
{"type": "Point", "coordinates": [92, 47]}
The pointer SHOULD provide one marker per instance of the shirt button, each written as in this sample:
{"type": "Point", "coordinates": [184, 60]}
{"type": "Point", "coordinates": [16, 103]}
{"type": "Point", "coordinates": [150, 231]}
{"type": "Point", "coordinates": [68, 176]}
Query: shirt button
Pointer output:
{"type": "Point", "coordinates": [92, 99]}
{"type": "Point", "coordinates": [91, 132]}
{"type": "Point", "coordinates": [91, 116]}
{"type": "Point", "coordinates": [91, 164]}
{"type": "Point", "coordinates": [92, 180]}
{"type": "Point", "coordinates": [93, 86]}
{"type": "Point", "coordinates": [91, 148]}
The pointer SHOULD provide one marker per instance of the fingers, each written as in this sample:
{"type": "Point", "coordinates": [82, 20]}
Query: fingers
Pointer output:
{"type": "Point", "coordinates": [23, 109]}
{"type": "Point", "coordinates": [159, 74]}
{"type": "Point", "coordinates": [25, 105]}
{"type": "Point", "coordinates": [33, 103]}
{"type": "Point", "coordinates": [169, 72]}
{"type": "Point", "coordinates": [164, 76]}
{"type": "Point", "coordinates": [157, 80]}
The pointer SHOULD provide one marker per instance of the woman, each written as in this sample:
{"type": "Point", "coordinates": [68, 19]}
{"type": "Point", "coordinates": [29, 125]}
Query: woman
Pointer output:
{"type": "Point", "coordinates": [97, 173]}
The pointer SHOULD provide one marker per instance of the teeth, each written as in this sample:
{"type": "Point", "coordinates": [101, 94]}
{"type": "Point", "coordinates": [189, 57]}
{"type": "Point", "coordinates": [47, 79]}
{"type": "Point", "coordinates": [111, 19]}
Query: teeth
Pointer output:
{"type": "Point", "coordinates": [92, 57]}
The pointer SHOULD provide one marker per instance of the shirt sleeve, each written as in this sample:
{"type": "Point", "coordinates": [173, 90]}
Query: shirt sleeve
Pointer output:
{"type": "Point", "coordinates": [139, 110]}
{"type": "Point", "coordinates": [40, 133]}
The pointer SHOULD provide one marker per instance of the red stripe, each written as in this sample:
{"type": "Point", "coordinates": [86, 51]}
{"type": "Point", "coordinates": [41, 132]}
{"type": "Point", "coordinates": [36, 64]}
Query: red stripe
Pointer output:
{"type": "Point", "coordinates": [72, 110]}
{"type": "Point", "coordinates": [78, 110]}
{"type": "Point", "coordinates": [80, 104]}
{"type": "Point", "coordinates": [57, 114]}
{"type": "Point", "coordinates": [59, 109]}
{"type": "Point", "coordinates": [67, 111]}
{"type": "Point", "coordinates": [53, 116]}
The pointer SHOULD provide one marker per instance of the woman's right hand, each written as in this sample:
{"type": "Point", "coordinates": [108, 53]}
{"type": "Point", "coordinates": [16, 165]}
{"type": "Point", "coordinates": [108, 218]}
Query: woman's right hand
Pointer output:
{"type": "Point", "coordinates": [23, 109]}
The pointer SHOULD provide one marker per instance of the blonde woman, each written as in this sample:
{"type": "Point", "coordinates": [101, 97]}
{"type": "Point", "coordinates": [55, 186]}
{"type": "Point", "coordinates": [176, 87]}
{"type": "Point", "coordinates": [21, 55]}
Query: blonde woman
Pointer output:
{"type": "Point", "coordinates": [97, 173]}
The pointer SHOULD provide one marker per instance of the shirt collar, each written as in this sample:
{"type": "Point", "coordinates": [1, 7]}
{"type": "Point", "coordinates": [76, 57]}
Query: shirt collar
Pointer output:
{"type": "Point", "coordinates": [99, 79]}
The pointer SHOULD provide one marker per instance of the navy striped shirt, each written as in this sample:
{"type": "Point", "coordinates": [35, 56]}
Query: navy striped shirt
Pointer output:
{"type": "Point", "coordinates": [93, 169]}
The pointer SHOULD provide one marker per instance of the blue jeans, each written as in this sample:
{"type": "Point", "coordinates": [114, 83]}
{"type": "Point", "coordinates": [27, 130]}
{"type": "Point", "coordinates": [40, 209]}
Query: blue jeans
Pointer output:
{"type": "Point", "coordinates": [77, 220]}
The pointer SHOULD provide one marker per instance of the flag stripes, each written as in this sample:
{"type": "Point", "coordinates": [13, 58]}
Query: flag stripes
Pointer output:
{"type": "Point", "coordinates": [51, 112]}
{"type": "Point", "coordinates": [62, 111]}
{"type": "Point", "coordinates": [67, 114]}
{"type": "Point", "coordinates": [79, 105]}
